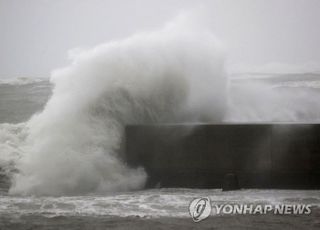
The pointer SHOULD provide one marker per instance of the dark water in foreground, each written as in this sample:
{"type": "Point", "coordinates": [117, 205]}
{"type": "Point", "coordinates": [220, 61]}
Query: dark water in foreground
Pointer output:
{"type": "Point", "coordinates": [234, 222]}
{"type": "Point", "coordinates": [221, 222]}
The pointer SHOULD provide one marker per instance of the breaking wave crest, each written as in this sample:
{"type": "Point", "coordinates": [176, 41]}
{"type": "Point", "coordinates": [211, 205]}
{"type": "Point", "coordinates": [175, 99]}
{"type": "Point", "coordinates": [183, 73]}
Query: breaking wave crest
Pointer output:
{"type": "Point", "coordinates": [74, 145]}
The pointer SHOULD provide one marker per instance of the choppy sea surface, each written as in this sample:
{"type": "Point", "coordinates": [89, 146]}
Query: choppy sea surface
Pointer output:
{"type": "Point", "coordinates": [21, 98]}
{"type": "Point", "coordinates": [153, 203]}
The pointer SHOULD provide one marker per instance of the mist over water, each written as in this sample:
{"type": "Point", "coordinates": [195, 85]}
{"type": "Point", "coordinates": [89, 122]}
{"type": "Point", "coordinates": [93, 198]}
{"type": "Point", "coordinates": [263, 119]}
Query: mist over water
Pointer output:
{"type": "Point", "coordinates": [173, 75]}
{"type": "Point", "coordinates": [259, 102]}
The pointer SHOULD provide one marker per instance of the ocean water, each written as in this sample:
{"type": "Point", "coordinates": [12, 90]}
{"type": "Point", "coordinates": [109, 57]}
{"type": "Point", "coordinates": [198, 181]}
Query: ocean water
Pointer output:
{"type": "Point", "coordinates": [153, 203]}
{"type": "Point", "coordinates": [19, 100]}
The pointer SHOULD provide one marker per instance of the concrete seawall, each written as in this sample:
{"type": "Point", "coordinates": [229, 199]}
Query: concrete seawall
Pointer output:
{"type": "Point", "coordinates": [198, 156]}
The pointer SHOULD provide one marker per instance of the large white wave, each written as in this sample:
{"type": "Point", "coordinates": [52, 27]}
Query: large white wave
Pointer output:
{"type": "Point", "coordinates": [175, 74]}
{"type": "Point", "coordinates": [73, 146]}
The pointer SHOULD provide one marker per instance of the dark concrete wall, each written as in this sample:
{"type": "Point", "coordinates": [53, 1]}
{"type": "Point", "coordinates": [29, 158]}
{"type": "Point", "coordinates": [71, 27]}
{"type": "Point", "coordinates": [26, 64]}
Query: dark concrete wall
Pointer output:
{"type": "Point", "coordinates": [261, 155]}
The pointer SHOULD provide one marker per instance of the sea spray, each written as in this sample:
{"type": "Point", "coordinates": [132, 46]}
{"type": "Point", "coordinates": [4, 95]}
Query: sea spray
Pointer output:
{"type": "Point", "coordinates": [254, 100]}
{"type": "Point", "coordinates": [72, 147]}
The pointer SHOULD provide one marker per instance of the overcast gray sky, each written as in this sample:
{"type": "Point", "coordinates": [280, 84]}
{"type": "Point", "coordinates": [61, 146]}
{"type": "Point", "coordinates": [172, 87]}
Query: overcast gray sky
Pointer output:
{"type": "Point", "coordinates": [35, 35]}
